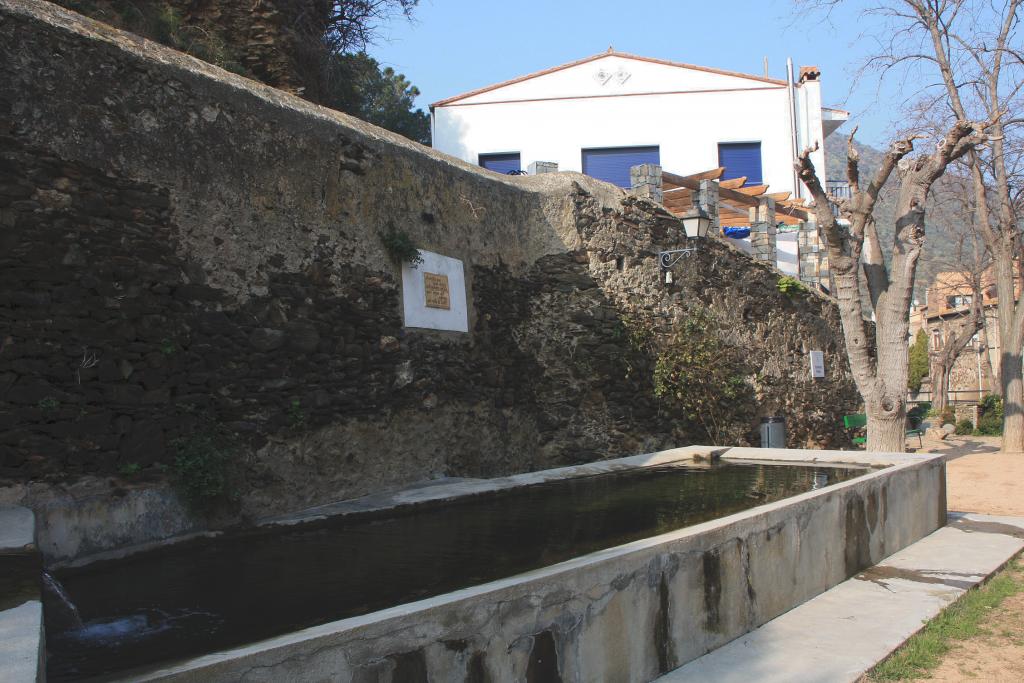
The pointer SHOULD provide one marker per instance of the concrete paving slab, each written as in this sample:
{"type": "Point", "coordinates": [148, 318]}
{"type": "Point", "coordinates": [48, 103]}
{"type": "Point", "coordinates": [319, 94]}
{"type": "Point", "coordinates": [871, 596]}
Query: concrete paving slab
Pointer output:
{"type": "Point", "coordinates": [844, 632]}
{"type": "Point", "coordinates": [21, 629]}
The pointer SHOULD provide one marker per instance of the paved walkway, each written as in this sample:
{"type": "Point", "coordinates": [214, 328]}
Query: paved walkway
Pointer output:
{"type": "Point", "coordinates": [845, 631]}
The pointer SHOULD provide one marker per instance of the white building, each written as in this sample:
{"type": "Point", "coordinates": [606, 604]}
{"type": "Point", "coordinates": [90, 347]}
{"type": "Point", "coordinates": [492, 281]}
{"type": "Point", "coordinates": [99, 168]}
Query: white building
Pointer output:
{"type": "Point", "coordinates": [603, 114]}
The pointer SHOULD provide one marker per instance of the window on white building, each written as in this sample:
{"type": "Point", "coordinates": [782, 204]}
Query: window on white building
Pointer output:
{"type": "Point", "coordinates": [503, 162]}
{"type": "Point", "coordinates": [612, 164]}
{"type": "Point", "coordinates": [741, 159]}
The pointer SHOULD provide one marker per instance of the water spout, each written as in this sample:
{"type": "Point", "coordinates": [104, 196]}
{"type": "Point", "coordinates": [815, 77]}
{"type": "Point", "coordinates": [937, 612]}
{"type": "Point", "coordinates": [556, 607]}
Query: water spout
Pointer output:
{"type": "Point", "coordinates": [60, 611]}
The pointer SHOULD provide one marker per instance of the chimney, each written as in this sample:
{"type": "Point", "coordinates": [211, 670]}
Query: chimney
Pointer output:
{"type": "Point", "coordinates": [809, 73]}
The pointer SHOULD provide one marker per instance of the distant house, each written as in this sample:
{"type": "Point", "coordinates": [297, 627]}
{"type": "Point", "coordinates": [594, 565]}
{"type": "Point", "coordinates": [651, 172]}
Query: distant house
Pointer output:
{"type": "Point", "coordinates": [948, 302]}
{"type": "Point", "coordinates": [604, 114]}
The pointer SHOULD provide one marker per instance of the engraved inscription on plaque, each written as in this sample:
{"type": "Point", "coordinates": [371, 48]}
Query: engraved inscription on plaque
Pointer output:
{"type": "Point", "coordinates": [435, 288]}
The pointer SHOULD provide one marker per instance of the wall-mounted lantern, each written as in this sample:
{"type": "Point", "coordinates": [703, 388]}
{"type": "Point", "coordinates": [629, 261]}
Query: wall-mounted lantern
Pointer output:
{"type": "Point", "coordinates": [696, 223]}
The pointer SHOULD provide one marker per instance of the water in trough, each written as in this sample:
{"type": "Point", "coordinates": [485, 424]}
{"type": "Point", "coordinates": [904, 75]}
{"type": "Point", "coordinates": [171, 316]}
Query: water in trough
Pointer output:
{"type": "Point", "coordinates": [210, 594]}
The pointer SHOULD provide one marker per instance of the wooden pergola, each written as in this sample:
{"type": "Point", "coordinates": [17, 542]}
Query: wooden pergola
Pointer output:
{"type": "Point", "coordinates": [735, 200]}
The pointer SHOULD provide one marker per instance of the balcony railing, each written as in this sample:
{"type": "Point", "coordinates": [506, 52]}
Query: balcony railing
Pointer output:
{"type": "Point", "coordinates": [838, 189]}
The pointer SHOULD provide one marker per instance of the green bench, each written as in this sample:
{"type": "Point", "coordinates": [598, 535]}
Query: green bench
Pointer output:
{"type": "Point", "coordinates": [860, 422]}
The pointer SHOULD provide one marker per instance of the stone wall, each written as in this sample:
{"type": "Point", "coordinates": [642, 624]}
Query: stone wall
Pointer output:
{"type": "Point", "coordinates": [187, 252]}
{"type": "Point", "coordinates": [259, 38]}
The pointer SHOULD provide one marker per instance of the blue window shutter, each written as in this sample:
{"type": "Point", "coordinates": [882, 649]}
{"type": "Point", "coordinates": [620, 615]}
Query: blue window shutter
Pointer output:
{"type": "Point", "coordinates": [741, 159]}
{"type": "Point", "coordinates": [612, 164]}
{"type": "Point", "coordinates": [501, 163]}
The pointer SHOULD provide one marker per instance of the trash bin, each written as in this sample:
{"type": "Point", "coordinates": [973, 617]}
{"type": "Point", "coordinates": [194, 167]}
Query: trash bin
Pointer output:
{"type": "Point", "coordinates": [773, 432]}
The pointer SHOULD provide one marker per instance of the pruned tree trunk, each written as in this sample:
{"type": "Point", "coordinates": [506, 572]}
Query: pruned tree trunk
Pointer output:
{"type": "Point", "coordinates": [881, 377]}
{"type": "Point", "coordinates": [940, 386]}
{"type": "Point", "coordinates": [952, 347]}
{"type": "Point", "coordinates": [988, 377]}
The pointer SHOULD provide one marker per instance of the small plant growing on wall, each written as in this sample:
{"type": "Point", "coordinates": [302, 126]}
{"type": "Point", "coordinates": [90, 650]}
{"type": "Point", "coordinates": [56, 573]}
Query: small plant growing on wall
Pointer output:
{"type": "Point", "coordinates": [296, 415]}
{"type": "Point", "coordinates": [129, 469]}
{"type": "Point", "coordinates": [49, 404]}
{"type": "Point", "coordinates": [790, 286]}
{"type": "Point", "coordinates": [201, 468]}
{"type": "Point", "coordinates": [401, 248]}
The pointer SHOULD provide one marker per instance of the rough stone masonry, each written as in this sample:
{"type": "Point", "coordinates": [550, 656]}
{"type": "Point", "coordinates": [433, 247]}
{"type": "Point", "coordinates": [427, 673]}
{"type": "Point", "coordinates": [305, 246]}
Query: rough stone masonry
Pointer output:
{"type": "Point", "coordinates": [186, 251]}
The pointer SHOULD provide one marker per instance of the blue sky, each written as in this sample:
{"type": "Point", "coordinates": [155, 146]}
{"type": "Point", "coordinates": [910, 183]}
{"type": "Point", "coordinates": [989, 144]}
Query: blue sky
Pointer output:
{"type": "Point", "coordinates": [452, 46]}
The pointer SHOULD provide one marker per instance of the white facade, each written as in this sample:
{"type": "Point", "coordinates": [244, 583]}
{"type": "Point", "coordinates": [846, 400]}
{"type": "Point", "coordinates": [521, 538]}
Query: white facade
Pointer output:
{"type": "Point", "coordinates": [619, 100]}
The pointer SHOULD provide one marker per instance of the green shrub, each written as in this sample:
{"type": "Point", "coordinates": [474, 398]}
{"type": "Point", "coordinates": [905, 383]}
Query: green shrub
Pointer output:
{"type": "Point", "coordinates": [920, 411]}
{"type": "Point", "coordinates": [129, 469]}
{"type": "Point", "coordinates": [991, 405]}
{"type": "Point", "coordinates": [790, 286]}
{"type": "Point", "coordinates": [964, 426]}
{"type": "Point", "coordinates": [704, 380]}
{"type": "Point", "coordinates": [990, 420]}
{"type": "Point", "coordinates": [401, 248]}
{"type": "Point", "coordinates": [201, 468]}
{"type": "Point", "coordinates": [990, 426]}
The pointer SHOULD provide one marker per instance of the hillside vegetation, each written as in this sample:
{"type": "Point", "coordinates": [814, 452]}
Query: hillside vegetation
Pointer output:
{"type": "Point", "coordinates": [940, 247]}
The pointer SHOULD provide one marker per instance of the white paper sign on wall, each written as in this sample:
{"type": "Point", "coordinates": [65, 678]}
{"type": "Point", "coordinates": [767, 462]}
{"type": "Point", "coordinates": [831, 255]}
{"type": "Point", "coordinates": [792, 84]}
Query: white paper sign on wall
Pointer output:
{"type": "Point", "coordinates": [817, 364]}
{"type": "Point", "coordinates": [434, 294]}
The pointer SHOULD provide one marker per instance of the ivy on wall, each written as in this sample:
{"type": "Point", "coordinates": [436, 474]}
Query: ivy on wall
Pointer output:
{"type": "Point", "coordinates": [705, 380]}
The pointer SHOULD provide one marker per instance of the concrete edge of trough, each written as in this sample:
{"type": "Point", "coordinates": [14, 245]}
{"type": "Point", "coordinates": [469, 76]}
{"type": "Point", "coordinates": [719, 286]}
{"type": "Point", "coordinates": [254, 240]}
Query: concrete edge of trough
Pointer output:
{"type": "Point", "coordinates": [718, 529]}
{"type": "Point", "coordinates": [22, 646]}
{"type": "Point", "coordinates": [881, 607]}
{"type": "Point", "coordinates": [445, 490]}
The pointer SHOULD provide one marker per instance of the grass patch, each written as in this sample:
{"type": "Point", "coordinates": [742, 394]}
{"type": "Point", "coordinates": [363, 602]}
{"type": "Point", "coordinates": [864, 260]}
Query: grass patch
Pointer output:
{"type": "Point", "coordinates": [961, 620]}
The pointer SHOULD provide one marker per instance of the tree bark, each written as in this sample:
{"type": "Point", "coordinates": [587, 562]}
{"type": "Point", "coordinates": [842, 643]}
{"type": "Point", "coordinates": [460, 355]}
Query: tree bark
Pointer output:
{"type": "Point", "coordinates": [1013, 398]}
{"type": "Point", "coordinates": [988, 375]}
{"type": "Point", "coordinates": [940, 387]}
{"type": "Point", "coordinates": [1010, 361]}
{"type": "Point", "coordinates": [887, 424]}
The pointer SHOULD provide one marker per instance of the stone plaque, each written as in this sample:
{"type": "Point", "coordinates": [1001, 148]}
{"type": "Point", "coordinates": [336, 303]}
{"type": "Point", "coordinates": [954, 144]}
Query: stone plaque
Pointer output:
{"type": "Point", "coordinates": [434, 293]}
{"type": "Point", "coordinates": [435, 290]}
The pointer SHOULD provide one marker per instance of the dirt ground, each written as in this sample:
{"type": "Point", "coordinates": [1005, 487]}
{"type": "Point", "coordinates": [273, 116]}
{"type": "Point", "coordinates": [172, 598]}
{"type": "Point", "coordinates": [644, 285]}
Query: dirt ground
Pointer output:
{"type": "Point", "coordinates": [997, 654]}
{"type": "Point", "coordinates": [979, 479]}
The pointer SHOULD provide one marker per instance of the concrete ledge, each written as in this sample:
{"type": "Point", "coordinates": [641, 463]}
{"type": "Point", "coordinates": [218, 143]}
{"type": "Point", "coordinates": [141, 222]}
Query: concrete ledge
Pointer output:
{"type": "Point", "coordinates": [446, 489]}
{"type": "Point", "coordinates": [844, 632]}
{"type": "Point", "coordinates": [21, 643]}
{"type": "Point", "coordinates": [21, 609]}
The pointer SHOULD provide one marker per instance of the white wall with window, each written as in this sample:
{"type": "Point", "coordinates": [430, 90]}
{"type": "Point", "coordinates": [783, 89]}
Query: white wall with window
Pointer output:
{"type": "Point", "coordinates": [601, 113]}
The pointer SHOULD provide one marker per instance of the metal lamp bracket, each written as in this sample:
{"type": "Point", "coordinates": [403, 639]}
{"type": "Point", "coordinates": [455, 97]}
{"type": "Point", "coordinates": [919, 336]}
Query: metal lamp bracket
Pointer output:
{"type": "Point", "coordinates": [667, 259]}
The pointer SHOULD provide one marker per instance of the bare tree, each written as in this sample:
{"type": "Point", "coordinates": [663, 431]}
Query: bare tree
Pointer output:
{"type": "Point", "coordinates": [880, 369]}
{"type": "Point", "coordinates": [965, 280]}
{"type": "Point", "coordinates": [981, 70]}
{"type": "Point", "coordinates": [967, 60]}
{"type": "Point", "coordinates": [974, 47]}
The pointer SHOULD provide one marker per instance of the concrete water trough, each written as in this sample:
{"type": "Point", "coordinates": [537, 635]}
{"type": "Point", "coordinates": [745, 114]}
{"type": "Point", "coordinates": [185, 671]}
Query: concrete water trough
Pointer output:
{"type": "Point", "coordinates": [628, 612]}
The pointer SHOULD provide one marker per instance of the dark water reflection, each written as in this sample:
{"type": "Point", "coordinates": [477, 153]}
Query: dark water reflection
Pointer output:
{"type": "Point", "coordinates": [208, 595]}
